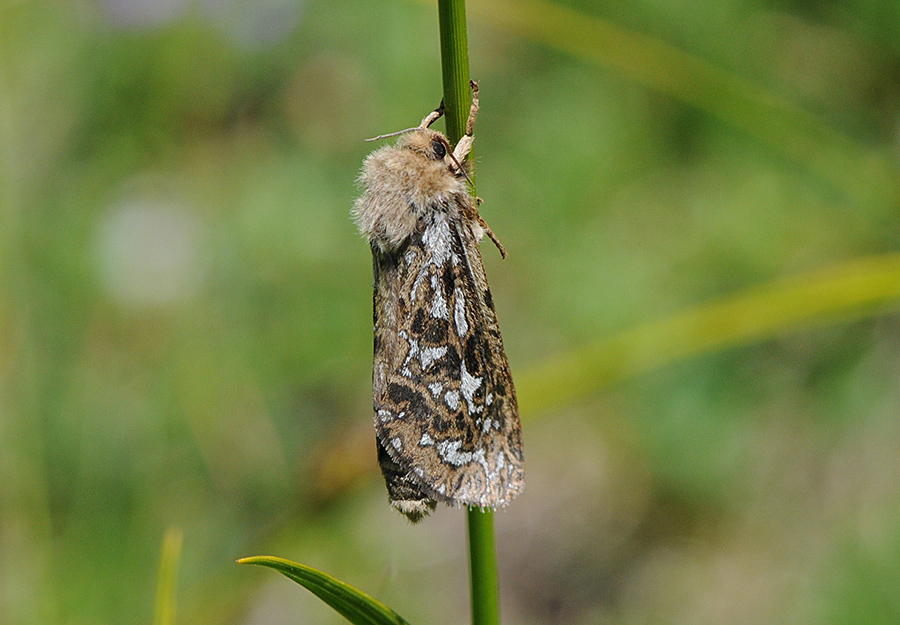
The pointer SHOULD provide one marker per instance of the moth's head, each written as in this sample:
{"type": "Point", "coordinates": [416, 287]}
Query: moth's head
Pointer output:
{"type": "Point", "coordinates": [428, 143]}
{"type": "Point", "coordinates": [433, 146]}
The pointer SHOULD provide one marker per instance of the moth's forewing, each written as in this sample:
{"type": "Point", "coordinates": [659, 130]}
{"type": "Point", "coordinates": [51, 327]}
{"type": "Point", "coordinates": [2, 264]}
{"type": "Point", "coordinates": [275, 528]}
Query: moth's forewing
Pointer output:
{"type": "Point", "coordinates": [445, 407]}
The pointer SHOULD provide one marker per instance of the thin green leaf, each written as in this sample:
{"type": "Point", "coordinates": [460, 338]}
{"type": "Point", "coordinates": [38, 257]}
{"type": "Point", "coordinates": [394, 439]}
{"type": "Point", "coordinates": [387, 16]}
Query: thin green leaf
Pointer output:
{"type": "Point", "coordinates": [168, 575]}
{"type": "Point", "coordinates": [351, 603]}
{"type": "Point", "coordinates": [855, 289]}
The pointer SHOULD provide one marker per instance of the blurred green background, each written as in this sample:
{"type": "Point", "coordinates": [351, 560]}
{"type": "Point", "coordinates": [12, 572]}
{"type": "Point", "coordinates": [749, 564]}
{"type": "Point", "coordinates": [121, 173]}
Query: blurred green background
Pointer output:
{"type": "Point", "coordinates": [185, 307]}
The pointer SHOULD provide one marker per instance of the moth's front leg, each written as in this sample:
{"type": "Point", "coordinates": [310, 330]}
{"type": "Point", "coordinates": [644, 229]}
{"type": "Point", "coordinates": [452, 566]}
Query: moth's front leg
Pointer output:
{"type": "Point", "coordinates": [462, 149]}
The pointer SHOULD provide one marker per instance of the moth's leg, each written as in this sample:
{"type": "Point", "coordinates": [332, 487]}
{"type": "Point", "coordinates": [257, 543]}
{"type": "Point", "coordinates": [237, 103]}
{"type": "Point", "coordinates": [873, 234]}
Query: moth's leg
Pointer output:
{"type": "Point", "coordinates": [473, 110]}
{"type": "Point", "coordinates": [462, 150]}
{"type": "Point", "coordinates": [492, 236]}
{"type": "Point", "coordinates": [474, 216]}
{"type": "Point", "coordinates": [433, 116]}
{"type": "Point", "coordinates": [464, 146]}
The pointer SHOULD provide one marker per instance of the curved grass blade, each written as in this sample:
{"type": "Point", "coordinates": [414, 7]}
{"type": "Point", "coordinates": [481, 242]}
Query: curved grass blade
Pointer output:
{"type": "Point", "coordinates": [853, 290]}
{"type": "Point", "coordinates": [350, 602]}
{"type": "Point", "coordinates": [168, 576]}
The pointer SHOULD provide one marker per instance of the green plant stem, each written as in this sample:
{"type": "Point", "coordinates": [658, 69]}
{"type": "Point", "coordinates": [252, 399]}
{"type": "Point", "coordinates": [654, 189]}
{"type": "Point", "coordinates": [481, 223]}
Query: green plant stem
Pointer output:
{"type": "Point", "coordinates": [483, 568]}
{"type": "Point", "coordinates": [454, 66]}
{"type": "Point", "coordinates": [455, 71]}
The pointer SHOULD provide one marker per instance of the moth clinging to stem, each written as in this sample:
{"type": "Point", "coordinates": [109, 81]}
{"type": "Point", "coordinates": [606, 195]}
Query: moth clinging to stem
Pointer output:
{"type": "Point", "coordinates": [446, 418]}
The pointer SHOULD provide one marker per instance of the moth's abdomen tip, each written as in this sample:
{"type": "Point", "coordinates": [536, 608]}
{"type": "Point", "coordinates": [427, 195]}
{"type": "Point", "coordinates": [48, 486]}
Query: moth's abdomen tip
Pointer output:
{"type": "Point", "coordinates": [414, 509]}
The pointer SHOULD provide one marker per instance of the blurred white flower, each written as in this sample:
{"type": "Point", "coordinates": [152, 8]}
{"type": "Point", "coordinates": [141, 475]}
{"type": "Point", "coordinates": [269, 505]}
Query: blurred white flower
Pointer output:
{"type": "Point", "coordinates": [148, 252]}
{"type": "Point", "coordinates": [254, 23]}
{"type": "Point", "coordinates": [143, 12]}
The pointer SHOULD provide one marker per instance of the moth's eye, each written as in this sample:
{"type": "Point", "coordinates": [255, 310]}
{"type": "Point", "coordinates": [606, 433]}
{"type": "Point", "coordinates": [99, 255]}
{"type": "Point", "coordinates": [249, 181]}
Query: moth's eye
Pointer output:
{"type": "Point", "coordinates": [439, 149]}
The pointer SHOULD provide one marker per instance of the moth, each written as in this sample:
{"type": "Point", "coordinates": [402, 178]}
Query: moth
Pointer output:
{"type": "Point", "coordinates": [446, 418]}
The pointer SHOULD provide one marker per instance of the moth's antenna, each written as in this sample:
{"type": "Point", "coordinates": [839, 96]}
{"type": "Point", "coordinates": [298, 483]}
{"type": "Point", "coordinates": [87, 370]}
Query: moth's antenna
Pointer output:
{"type": "Point", "coordinates": [394, 134]}
{"type": "Point", "coordinates": [432, 117]}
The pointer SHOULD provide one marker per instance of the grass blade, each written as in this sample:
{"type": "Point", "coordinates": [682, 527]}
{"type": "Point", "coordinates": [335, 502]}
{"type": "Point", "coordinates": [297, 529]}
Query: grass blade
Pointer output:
{"type": "Point", "coordinates": [849, 291]}
{"type": "Point", "coordinates": [350, 602]}
{"type": "Point", "coordinates": [168, 576]}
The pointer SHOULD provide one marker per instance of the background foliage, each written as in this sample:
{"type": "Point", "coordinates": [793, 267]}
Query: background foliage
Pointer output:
{"type": "Point", "coordinates": [185, 330]}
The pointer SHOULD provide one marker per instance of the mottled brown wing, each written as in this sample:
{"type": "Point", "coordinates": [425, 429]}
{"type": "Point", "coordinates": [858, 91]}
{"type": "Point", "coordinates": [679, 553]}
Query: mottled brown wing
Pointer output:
{"type": "Point", "coordinates": [445, 406]}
